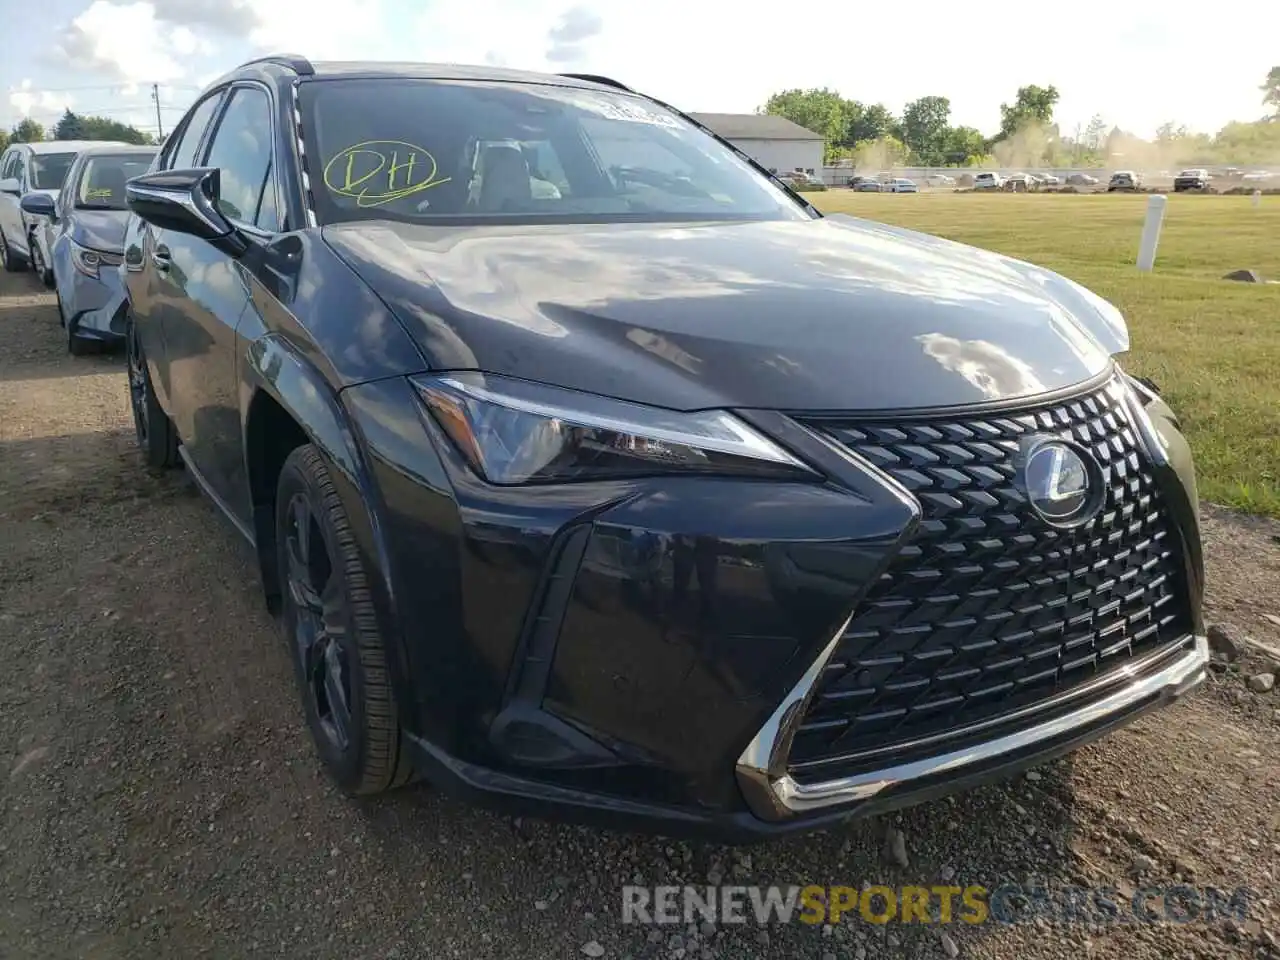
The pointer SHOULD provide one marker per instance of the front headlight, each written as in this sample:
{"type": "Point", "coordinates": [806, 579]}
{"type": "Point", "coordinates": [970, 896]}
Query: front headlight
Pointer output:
{"type": "Point", "coordinates": [516, 432]}
{"type": "Point", "coordinates": [88, 261]}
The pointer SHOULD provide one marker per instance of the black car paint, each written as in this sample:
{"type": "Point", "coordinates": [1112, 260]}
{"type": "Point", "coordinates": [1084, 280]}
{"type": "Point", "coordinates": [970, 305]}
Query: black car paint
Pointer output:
{"type": "Point", "coordinates": [734, 314]}
{"type": "Point", "coordinates": [462, 572]}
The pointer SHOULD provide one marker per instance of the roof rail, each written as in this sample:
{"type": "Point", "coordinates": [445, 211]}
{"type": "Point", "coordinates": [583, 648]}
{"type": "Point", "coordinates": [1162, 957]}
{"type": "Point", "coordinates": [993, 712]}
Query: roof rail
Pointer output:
{"type": "Point", "coordinates": [596, 78]}
{"type": "Point", "coordinates": [298, 64]}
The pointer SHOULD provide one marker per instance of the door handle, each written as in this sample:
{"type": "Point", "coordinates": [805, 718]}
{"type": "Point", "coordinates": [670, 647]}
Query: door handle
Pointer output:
{"type": "Point", "coordinates": [161, 258]}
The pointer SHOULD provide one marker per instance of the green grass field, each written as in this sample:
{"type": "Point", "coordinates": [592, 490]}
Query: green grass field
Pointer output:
{"type": "Point", "coordinates": [1212, 345]}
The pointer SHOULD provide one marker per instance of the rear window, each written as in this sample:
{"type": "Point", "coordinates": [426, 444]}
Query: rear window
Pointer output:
{"type": "Point", "coordinates": [430, 151]}
{"type": "Point", "coordinates": [49, 170]}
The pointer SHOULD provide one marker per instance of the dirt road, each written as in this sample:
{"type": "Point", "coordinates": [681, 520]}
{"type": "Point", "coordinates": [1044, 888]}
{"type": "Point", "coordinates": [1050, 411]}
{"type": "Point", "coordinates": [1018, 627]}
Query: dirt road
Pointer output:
{"type": "Point", "coordinates": [158, 797]}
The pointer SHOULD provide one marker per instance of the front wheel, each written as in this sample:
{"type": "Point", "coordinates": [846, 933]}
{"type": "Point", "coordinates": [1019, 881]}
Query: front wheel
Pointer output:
{"type": "Point", "coordinates": [11, 261]}
{"type": "Point", "coordinates": [157, 437]}
{"type": "Point", "coordinates": [331, 629]}
{"type": "Point", "coordinates": [38, 265]}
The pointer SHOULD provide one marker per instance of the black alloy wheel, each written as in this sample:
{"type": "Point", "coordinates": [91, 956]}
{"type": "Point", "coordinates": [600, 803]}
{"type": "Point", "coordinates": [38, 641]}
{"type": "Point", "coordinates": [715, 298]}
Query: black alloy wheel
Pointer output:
{"type": "Point", "coordinates": [329, 623]}
{"type": "Point", "coordinates": [152, 427]}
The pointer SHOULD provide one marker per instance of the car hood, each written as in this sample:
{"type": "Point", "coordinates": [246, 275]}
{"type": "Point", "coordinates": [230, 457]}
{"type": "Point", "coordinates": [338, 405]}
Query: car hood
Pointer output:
{"type": "Point", "coordinates": [100, 229]}
{"type": "Point", "coordinates": [829, 314]}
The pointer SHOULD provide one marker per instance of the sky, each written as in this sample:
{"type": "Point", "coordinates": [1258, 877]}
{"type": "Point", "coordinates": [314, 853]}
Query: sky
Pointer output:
{"type": "Point", "coordinates": [1135, 67]}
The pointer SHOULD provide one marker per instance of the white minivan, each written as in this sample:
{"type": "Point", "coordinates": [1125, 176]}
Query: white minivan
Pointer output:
{"type": "Point", "coordinates": [25, 168]}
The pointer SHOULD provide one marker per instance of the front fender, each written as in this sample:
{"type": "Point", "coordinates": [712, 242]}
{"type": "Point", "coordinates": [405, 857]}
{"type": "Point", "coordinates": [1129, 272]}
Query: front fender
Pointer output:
{"type": "Point", "coordinates": [274, 368]}
{"type": "Point", "coordinates": [274, 365]}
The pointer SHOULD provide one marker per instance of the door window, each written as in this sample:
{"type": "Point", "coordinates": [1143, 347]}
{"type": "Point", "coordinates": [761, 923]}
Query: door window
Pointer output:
{"type": "Point", "coordinates": [241, 150]}
{"type": "Point", "coordinates": [183, 154]}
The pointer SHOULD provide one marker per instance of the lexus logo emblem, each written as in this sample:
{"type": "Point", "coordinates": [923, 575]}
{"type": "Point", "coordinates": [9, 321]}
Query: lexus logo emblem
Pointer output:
{"type": "Point", "coordinates": [1063, 482]}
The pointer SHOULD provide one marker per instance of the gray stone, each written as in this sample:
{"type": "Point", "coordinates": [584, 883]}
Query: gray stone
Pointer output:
{"type": "Point", "coordinates": [1262, 682]}
{"type": "Point", "coordinates": [1223, 642]}
{"type": "Point", "coordinates": [1245, 276]}
{"type": "Point", "coordinates": [592, 948]}
{"type": "Point", "coordinates": [895, 847]}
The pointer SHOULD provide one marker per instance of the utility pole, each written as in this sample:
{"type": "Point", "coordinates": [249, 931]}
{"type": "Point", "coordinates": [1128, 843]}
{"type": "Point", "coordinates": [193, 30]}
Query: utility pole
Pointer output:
{"type": "Point", "coordinates": [155, 95]}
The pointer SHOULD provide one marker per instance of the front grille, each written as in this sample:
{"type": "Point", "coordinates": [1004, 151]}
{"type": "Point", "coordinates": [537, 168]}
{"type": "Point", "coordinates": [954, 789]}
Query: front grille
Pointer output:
{"type": "Point", "coordinates": [989, 610]}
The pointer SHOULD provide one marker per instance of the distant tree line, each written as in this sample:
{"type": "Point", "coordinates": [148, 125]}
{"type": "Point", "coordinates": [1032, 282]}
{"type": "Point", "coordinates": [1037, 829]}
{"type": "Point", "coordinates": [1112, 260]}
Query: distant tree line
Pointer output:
{"type": "Point", "coordinates": [872, 135]}
{"type": "Point", "coordinates": [73, 126]}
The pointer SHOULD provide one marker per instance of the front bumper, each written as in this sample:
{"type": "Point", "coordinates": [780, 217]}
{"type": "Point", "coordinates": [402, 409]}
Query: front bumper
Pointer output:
{"type": "Point", "coordinates": [791, 808]}
{"type": "Point", "coordinates": [95, 307]}
{"type": "Point", "coordinates": [643, 655]}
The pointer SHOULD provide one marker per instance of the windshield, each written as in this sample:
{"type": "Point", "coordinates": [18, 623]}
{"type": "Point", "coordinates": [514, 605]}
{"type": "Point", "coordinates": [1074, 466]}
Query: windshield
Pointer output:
{"type": "Point", "coordinates": [49, 170]}
{"type": "Point", "coordinates": [103, 179]}
{"type": "Point", "coordinates": [433, 151]}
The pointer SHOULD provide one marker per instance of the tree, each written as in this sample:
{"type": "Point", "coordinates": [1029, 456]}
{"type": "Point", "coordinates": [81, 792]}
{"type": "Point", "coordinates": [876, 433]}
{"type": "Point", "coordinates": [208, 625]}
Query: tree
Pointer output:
{"type": "Point", "coordinates": [823, 111]}
{"type": "Point", "coordinates": [962, 145]}
{"type": "Point", "coordinates": [1032, 105]}
{"type": "Point", "coordinates": [69, 127]}
{"type": "Point", "coordinates": [1271, 92]}
{"type": "Point", "coordinates": [28, 131]}
{"type": "Point", "coordinates": [872, 122]}
{"type": "Point", "coordinates": [4, 140]}
{"type": "Point", "coordinates": [104, 128]}
{"type": "Point", "coordinates": [881, 154]}
{"type": "Point", "coordinates": [924, 129]}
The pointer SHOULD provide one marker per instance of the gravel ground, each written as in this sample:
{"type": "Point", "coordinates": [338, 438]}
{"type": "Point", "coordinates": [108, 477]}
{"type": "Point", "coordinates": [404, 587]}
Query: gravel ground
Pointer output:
{"type": "Point", "coordinates": [160, 798]}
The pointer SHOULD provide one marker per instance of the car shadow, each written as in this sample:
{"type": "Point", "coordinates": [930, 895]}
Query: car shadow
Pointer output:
{"type": "Point", "coordinates": [1010, 835]}
{"type": "Point", "coordinates": [43, 354]}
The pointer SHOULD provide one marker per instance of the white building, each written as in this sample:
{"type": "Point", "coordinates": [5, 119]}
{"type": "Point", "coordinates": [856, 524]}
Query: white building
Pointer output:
{"type": "Point", "coordinates": [773, 142]}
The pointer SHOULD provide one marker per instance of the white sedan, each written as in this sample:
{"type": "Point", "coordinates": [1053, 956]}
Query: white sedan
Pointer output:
{"type": "Point", "coordinates": [900, 185]}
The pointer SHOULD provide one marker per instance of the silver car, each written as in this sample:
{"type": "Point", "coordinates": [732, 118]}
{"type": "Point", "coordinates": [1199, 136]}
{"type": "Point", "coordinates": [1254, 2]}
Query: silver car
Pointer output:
{"type": "Point", "coordinates": [87, 223]}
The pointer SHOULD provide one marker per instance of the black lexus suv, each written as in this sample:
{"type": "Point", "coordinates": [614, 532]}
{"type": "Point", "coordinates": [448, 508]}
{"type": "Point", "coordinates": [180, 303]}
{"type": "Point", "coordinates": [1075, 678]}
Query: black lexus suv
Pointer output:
{"type": "Point", "coordinates": [591, 469]}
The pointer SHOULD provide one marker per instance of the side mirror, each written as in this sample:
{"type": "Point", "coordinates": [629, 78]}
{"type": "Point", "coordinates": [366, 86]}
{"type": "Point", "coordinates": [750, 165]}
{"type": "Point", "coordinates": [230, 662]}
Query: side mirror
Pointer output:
{"type": "Point", "coordinates": [185, 201]}
{"type": "Point", "coordinates": [10, 185]}
{"type": "Point", "coordinates": [38, 205]}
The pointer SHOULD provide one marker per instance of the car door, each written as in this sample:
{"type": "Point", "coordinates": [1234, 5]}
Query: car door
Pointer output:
{"type": "Point", "coordinates": [154, 290]}
{"type": "Point", "coordinates": [59, 227]}
{"type": "Point", "coordinates": [200, 335]}
{"type": "Point", "coordinates": [10, 216]}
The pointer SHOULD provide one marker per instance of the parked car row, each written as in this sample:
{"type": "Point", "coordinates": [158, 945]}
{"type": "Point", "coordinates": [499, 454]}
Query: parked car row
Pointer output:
{"type": "Point", "coordinates": [63, 213]}
{"type": "Point", "coordinates": [588, 501]}
{"type": "Point", "coordinates": [883, 185]}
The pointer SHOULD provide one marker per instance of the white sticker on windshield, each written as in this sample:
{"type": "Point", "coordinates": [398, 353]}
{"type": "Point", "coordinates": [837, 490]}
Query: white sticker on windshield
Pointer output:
{"type": "Point", "coordinates": [633, 113]}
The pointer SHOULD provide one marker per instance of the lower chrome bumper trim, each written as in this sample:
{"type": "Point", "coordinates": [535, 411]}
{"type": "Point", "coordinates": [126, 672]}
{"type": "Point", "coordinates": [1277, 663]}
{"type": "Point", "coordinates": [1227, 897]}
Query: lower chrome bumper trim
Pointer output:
{"type": "Point", "coordinates": [788, 797]}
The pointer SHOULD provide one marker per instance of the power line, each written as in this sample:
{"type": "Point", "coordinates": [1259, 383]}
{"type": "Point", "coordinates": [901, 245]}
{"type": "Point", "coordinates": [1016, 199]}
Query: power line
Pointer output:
{"type": "Point", "coordinates": [36, 91]}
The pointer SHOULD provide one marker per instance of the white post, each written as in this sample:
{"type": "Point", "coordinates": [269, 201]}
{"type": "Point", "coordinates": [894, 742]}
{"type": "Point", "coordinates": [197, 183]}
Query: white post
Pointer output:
{"type": "Point", "coordinates": [1151, 232]}
{"type": "Point", "coordinates": [1257, 197]}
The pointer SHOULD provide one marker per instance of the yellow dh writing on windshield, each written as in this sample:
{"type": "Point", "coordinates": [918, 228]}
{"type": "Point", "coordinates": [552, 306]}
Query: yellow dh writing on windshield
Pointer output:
{"type": "Point", "coordinates": [375, 172]}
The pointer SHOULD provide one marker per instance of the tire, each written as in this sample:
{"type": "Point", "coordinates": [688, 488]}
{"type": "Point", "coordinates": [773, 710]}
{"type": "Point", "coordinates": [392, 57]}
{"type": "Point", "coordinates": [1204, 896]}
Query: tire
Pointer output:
{"type": "Point", "coordinates": [157, 437]}
{"type": "Point", "coordinates": [13, 262]}
{"type": "Point", "coordinates": [38, 265]}
{"type": "Point", "coordinates": [79, 346]}
{"type": "Point", "coordinates": [328, 621]}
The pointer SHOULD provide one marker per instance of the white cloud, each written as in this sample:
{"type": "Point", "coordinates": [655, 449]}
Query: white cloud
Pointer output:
{"type": "Point", "coordinates": [187, 44]}
{"type": "Point", "coordinates": [714, 55]}
{"type": "Point", "coordinates": [126, 41]}
{"type": "Point", "coordinates": [326, 29]}
{"type": "Point", "coordinates": [30, 102]}
{"type": "Point", "coordinates": [566, 41]}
